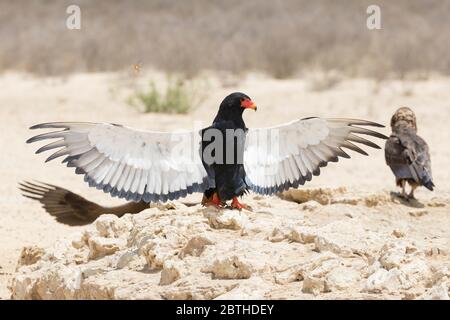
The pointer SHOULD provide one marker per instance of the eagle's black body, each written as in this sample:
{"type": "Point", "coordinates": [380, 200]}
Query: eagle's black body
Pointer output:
{"type": "Point", "coordinates": [230, 178]}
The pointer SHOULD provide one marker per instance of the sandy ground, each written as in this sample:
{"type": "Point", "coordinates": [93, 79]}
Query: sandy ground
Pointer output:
{"type": "Point", "coordinates": [25, 100]}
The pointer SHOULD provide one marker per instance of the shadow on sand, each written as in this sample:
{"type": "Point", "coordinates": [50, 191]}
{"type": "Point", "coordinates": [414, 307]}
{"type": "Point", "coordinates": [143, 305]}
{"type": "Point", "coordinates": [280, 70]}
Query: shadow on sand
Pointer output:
{"type": "Point", "coordinates": [397, 197]}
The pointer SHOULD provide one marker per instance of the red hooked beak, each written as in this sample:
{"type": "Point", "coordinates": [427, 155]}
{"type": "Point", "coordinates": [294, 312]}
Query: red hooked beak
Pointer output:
{"type": "Point", "coordinates": [248, 104]}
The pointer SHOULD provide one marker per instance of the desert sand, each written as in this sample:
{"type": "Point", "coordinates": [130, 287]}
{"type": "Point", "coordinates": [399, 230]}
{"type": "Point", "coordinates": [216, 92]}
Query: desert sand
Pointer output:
{"type": "Point", "coordinates": [345, 219]}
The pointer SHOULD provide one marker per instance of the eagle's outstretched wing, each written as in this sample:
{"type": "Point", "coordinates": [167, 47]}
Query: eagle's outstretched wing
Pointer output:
{"type": "Point", "coordinates": [135, 165]}
{"type": "Point", "coordinates": [288, 155]}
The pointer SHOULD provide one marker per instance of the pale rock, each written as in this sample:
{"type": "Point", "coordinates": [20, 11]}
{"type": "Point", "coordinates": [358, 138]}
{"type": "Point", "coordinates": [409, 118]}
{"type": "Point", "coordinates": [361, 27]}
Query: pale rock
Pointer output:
{"type": "Point", "coordinates": [226, 219]}
{"type": "Point", "coordinates": [254, 288]}
{"type": "Point", "coordinates": [398, 233]}
{"type": "Point", "coordinates": [195, 289]}
{"type": "Point", "coordinates": [323, 196]}
{"type": "Point", "coordinates": [288, 276]}
{"type": "Point", "coordinates": [316, 268]}
{"type": "Point", "coordinates": [324, 268]}
{"type": "Point", "coordinates": [155, 254]}
{"type": "Point", "coordinates": [313, 285]}
{"type": "Point", "coordinates": [30, 255]}
{"type": "Point", "coordinates": [195, 246]}
{"type": "Point", "coordinates": [418, 212]}
{"type": "Point", "coordinates": [170, 205]}
{"type": "Point", "coordinates": [392, 255]}
{"type": "Point", "coordinates": [100, 247]}
{"type": "Point", "coordinates": [371, 269]}
{"type": "Point", "coordinates": [438, 292]}
{"type": "Point", "coordinates": [159, 243]}
{"type": "Point", "coordinates": [79, 240]}
{"type": "Point", "coordinates": [310, 205]}
{"type": "Point", "coordinates": [126, 258]}
{"type": "Point", "coordinates": [172, 271]}
{"type": "Point", "coordinates": [347, 238]}
{"type": "Point", "coordinates": [230, 267]}
{"type": "Point", "coordinates": [435, 251]}
{"type": "Point", "coordinates": [342, 278]}
{"type": "Point", "coordinates": [177, 254]}
{"type": "Point", "coordinates": [416, 270]}
{"type": "Point", "coordinates": [111, 226]}
{"type": "Point", "coordinates": [327, 273]}
{"type": "Point", "coordinates": [277, 235]}
{"type": "Point", "coordinates": [438, 275]}
{"type": "Point", "coordinates": [59, 282]}
{"type": "Point", "coordinates": [302, 234]}
{"type": "Point", "coordinates": [412, 293]}
{"type": "Point", "coordinates": [383, 280]}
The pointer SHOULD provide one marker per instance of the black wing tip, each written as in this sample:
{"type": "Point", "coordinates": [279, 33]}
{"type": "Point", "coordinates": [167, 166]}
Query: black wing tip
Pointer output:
{"type": "Point", "coordinates": [368, 123]}
{"type": "Point", "coordinates": [377, 125]}
{"type": "Point", "coordinates": [36, 126]}
{"type": "Point", "coordinates": [51, 125]}
{"type": "Point", "coordinates": [429, 185]}
{"type": "Point", "coordinates": [45, 125]}
{"type": "Point", "coordinates": [31, 140]}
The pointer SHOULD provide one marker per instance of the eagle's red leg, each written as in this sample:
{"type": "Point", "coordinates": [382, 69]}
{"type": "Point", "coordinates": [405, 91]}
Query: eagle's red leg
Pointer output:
{"type": "Point", "coordinates": [213, 201]}
{"type": "Point", "coordinates": [235, 204]}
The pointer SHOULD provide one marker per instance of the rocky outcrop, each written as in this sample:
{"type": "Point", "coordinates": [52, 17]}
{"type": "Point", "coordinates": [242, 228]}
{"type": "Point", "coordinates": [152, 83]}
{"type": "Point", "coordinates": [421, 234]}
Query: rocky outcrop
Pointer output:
{"type": "Point", "coordinates": [315, 249]}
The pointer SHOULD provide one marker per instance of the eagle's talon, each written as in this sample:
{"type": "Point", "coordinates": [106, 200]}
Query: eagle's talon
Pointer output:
{"type": "Point", "coordinates": [213, 201]}
{"type": "Point", "coordinates": [235, 204]}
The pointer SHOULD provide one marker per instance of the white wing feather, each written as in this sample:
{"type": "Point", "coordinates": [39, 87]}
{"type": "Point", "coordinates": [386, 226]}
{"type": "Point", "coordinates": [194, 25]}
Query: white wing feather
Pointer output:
{"type": "Point", "coordinates": [127, 163]}
{"type": "Point", "coordinates": [285, 156]}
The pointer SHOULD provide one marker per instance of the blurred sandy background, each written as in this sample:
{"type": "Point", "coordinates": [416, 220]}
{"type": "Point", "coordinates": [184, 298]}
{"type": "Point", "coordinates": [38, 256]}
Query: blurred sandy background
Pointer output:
{"type": "Point", "coordinates": [294, 58]}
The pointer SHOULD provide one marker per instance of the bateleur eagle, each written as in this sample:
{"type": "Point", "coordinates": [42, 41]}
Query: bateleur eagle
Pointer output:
{"type": "Point", "coordinates": [145, 166]}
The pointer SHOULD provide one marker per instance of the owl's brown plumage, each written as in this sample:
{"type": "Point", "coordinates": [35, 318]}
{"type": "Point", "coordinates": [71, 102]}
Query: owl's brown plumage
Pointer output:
{"type": "Point", "coordinates": [407, 154]}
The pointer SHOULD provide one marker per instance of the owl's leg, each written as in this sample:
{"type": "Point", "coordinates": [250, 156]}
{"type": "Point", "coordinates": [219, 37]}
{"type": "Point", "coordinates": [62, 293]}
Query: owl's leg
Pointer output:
{"type": "Point", "coordinates": [403, 185]}
{"type": "Point", "coordinates": [411, 194]}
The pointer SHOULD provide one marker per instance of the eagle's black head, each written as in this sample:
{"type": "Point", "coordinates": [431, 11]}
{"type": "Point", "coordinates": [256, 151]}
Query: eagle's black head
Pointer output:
{"type": "Point", "coordinates": [233, 106]}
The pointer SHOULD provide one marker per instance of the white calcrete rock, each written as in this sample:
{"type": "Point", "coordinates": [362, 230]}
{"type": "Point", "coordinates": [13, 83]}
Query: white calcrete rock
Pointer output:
{"type": "Point", "coordinates": [313, 285]}
{"type": "Point", "coordinates": [391, 281]}
{"type": "Point", "coordinates": [230, 267]}
{"type": "Point", "coordinates": [192, 288]}
{"type": "Point", "coordinates": [347, 238]}
{"type": "Point", "coordinates": [51, 282]}
{"type": "Point", "coordinates": [226, 219]}
{"type": "Point", "coordinates": [254, 288]}
{"type": "Point", "coordinates": [438, 292]}
{"type": "Point", "coordinates": [30, 255]}
{"type": "Point", "coordinates": [342, 278]}
{"type": "Point", "coordinates": [111, 226]}
{"type": "Point", "coordinates": [300, 234]}
{"type": "Point", "coordinates": [172, 270]}
{"type": "Point", "coordinates": [393, 255]}
{"type": "Point", "coordinates": [273, 252]}
{"type": "Point", "coordinates": [100, 247]}
{"type": "Point", "coordinates": [195, 246]}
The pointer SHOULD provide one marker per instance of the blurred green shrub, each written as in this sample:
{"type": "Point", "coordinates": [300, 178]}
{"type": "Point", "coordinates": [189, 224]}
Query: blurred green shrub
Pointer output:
{"type": "Point", "coordinates": [176, 98]}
